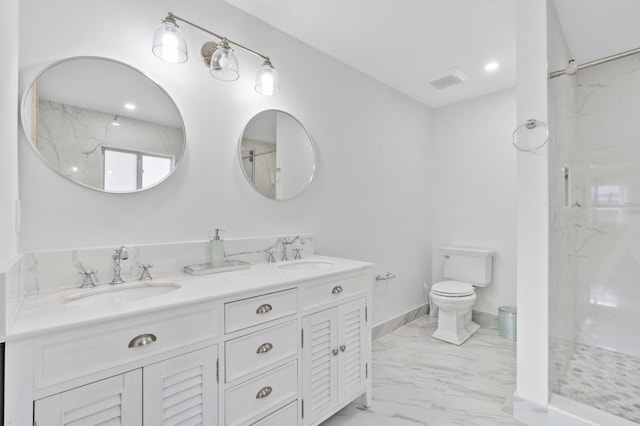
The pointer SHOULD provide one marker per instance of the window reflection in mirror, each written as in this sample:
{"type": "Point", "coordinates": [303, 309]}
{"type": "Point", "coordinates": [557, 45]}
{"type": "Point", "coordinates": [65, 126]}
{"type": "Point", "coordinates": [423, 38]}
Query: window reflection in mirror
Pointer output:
{"type": "Point", "coordinates": [127, 171]}
{"type": "Point", "coordinates": [277, 155]}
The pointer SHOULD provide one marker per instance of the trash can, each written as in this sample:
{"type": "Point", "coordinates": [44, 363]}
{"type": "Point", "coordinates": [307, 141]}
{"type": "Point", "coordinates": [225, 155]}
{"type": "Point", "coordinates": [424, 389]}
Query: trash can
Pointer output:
{"type": "Point", "coordinates": [507, 320]}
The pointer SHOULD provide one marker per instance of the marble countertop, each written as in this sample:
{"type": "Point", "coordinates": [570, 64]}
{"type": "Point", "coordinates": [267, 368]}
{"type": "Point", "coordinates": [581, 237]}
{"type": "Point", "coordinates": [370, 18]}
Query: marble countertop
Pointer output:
{"type": "Point", "coordinates": [42, 312]}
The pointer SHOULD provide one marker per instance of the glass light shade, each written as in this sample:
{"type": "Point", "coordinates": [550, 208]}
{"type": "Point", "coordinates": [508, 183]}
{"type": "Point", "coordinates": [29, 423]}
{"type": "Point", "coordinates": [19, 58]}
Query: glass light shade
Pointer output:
{"type": "Point", "coordinates": [267, 80]}
{"type": "Point", "coordinates": [169, 44]}
{"type": "Point", "coordinates": [224, 65]}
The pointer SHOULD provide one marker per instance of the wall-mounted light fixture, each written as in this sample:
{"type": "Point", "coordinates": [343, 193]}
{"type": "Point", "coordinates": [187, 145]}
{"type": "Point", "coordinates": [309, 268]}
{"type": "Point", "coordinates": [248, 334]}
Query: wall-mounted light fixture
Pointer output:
{"type": "Point", "coordinates": [170, 46]}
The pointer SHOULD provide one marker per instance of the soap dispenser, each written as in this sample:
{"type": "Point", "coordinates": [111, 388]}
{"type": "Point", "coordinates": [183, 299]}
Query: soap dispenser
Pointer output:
{"type": "Point", "coordinates": [217, 249]}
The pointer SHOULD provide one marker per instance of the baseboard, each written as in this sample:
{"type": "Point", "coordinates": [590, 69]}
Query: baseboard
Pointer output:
{"type": "Point", "coordinates": [397, 322]}
{"type": "Point", "coordinates": [529, 412]}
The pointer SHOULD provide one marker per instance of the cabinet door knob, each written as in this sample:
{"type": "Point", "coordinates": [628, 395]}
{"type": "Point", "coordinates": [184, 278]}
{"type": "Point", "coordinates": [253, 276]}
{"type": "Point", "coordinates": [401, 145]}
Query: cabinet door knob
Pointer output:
{"type": "Point", "coordinates": [343, 348]}
{"type": "Point", "coordinates": [334, 352]}
{"type": "Point", "coordinates": [264, 392]}
{"type": "Point", "coordinates": [336, 290]}
{"type": "Point", "coordinates": [263, 309]}
{"type": "Point", "coordinates": [142, 340]}
{"type": "Point", "coordinates": [264, 348]}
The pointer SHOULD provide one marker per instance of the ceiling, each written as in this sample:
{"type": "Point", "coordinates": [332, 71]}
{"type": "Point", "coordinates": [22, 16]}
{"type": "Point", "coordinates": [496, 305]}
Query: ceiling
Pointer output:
{"type": "Point", "coordinates": [406, 43]}
{"type": "Point", "coordinates": [595, 29]}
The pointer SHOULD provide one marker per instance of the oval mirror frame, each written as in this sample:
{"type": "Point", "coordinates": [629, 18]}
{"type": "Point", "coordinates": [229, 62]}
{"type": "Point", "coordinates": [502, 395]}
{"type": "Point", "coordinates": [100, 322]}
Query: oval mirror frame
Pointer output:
{"type": "Point", "coordinates": [97, 121]}
{"type": "Point", "coordinates": [272, 158]}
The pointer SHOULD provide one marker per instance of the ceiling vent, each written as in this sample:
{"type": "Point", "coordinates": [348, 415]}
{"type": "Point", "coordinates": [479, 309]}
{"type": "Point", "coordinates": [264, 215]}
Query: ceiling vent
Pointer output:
{"type": "Point", "coordinates": [448, 78]}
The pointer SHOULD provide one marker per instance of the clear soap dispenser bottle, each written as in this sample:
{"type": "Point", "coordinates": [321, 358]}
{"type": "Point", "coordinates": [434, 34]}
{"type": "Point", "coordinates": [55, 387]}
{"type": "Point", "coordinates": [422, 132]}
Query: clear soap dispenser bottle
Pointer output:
{"type": "Point", "coordinates": [217, 249]}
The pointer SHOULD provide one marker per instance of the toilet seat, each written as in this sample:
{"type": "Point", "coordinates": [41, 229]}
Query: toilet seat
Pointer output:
{"type": "Point", "coordinates": [452, 289]}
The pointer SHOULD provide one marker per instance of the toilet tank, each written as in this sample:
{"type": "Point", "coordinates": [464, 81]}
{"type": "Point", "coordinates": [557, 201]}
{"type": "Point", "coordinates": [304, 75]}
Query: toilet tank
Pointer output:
{"type": "Point", "coordinates": [472, 265]}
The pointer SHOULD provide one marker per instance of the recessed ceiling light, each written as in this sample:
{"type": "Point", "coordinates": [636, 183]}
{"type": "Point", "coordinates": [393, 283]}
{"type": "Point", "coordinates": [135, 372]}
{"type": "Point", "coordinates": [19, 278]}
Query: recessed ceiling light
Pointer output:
{"type": "Point", "coordinates": [491, 66]}
{"type": "Point", "coordinates": [130, 106]}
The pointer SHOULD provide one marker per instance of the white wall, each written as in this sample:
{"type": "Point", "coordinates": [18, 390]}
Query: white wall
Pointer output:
{"type": "Point", "coordinates": [368, 201]}
{"type": "Point", "coordinates": [474, 200]}
{"type": "Point", "coordinates": [533, 207]}
{"type": "Point", "coordinates": [8, 130]}
{"type": "Point", "coordinates": [294, 159]}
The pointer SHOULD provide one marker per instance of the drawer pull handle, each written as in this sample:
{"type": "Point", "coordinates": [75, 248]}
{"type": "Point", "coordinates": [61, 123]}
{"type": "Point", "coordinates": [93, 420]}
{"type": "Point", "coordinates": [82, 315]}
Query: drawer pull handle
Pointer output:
{"type": "Point", "coordinates": [336, 290]}
{"type": "Point", "coordinates": [343, 348]}
{"type": "Point", "coordinates": [334, 352]}
{"type": "Point", "coordinates": [142, 340]}
{"type": "Point", "coordinates": [264, 348]}
{"type": "Point", "coordinates": [264, 392]}
{"type": "Point", "coordinates": [263, 309]}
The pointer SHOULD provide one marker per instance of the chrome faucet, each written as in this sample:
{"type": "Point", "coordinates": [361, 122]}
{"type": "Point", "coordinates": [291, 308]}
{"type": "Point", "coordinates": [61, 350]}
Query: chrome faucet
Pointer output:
{"type": "Point", "coordinates": [89, 280]}
{"type": "Point", "coordinates": [285, 242]}
{"type": "Point", "coordinates": [120, 254]}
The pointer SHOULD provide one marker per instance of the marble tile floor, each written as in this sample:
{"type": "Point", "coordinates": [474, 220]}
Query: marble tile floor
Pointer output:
{"type": "Point", "coordinates": [603, 379]}
{"type": "Point", "coordinates": [418, 380]}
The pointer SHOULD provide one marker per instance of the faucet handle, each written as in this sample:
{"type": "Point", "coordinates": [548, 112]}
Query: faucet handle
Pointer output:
{"type": "Point", "coordinates": [270, 258]}
{"type": "Point", "coordinates": [89, 280]}
{"type": "Point", "coordinates": [298, 256]}
{"type": "Point", "coordinates": [145, 276]}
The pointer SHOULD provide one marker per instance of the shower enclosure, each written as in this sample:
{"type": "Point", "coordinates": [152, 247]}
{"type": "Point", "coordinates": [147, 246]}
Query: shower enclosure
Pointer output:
{"type": "Point", "coordinates": [594, 282]}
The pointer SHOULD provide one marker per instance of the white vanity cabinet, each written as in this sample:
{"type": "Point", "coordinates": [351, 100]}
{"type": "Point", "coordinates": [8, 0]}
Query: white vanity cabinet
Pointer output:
{"type": "Point", "coordinates": [290, 350]}
{"type": "Point", "coordinates": [335, 359]}
{"type": "Point", "coordinates": [144, 366]}
{"type": "Point", "coordinates": [180, 390]}
{"type": "Point", "coordinates": [261, 363]}
{"type": "Point", "coordinates": [113, 401]}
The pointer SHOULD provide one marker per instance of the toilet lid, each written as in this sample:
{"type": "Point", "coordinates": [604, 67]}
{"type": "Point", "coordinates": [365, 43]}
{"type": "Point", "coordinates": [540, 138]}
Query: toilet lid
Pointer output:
{"type": "Point", "coordinates": [452, 288]}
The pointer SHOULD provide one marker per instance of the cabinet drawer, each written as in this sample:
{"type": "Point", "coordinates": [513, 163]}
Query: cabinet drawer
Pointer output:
{"type": "Point", "coordinates": [286, 416]}
{"type": "Point", "coordinates": [261, 394]}
{"type": "Point", "coordinates": [256, 310]}
{"type": "Point", "coordinates": [71, 354]}
{"type": "Point", "coordinates": [250, 353]}
{"type": "Point", "coordinates": [321, 294]}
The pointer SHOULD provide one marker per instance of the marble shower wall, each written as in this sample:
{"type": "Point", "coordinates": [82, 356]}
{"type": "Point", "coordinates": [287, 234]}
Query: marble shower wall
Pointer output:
{"type": "Point", "coordinates": [603, 226]}
{"type": "Point", "coordinates": [70, 139]}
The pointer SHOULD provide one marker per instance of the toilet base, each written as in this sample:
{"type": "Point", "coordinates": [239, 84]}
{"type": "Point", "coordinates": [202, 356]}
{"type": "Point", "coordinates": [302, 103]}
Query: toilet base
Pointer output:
{"type": "Point", "coordinates": [456, 338]}
{"type": "Point", "coordinates": [455, 323]}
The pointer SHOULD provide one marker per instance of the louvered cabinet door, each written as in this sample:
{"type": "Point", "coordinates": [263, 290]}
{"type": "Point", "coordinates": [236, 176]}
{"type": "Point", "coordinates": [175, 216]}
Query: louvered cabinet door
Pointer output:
{"type": "Point", "coordinates": [319, 364]}
{"type": "Point", "coordinates": [352, 347]}
{"type": "Point", "coordinates": [116, 401]}
{"type": "Point", "coordinates": [182, 390]}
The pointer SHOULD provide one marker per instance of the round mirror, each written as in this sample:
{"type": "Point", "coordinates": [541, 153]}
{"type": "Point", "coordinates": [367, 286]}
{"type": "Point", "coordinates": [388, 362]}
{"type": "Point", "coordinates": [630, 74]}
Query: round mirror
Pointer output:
{"type": "Point", "coordinates": [277, 155]}
{"type": "Point", "coordinates": [103, 124]}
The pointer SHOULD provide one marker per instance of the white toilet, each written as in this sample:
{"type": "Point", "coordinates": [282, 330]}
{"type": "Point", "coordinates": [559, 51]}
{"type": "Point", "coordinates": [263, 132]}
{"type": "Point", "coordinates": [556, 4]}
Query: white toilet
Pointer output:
{"type": "Point", "coordinates": [466, 268]}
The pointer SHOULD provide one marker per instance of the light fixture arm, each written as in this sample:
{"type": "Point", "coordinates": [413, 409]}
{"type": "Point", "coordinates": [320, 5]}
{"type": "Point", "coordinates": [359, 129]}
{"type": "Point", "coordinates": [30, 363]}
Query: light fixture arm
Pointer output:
{"type": "Point", "coordinates": [172, 18]}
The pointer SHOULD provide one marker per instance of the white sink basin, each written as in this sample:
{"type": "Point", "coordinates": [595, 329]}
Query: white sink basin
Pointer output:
{"type": "Point", "coordinates": [119, 293]}
{"type": "Point", "coordinates": [307, 264]}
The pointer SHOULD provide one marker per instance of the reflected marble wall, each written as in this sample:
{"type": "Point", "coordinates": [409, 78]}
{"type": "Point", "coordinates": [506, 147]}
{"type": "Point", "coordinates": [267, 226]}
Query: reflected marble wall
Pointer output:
{"type": "Point", "coordinates": [70, 139]}
{"type": "Point", "coordinates": [603, 230]}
